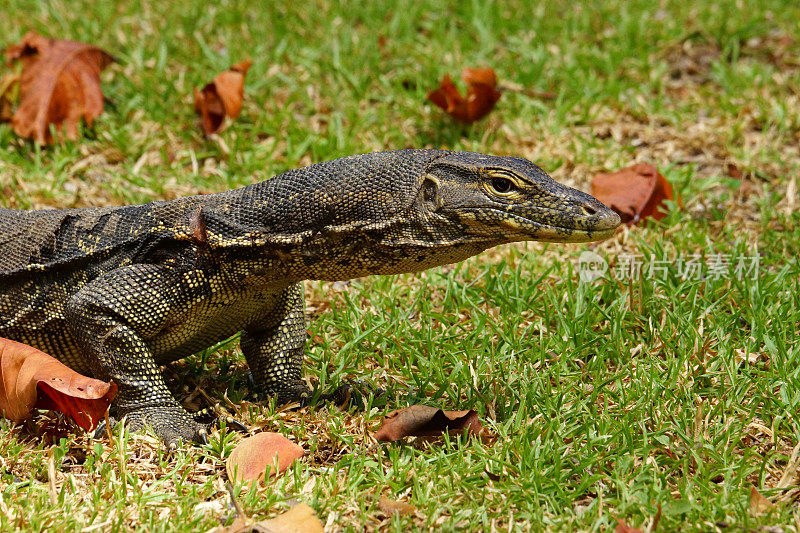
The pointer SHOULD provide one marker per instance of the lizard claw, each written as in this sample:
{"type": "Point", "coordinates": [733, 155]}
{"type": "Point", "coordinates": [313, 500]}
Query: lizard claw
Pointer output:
{"type": "Point", "coordinates": [340, 396]}
{"type": "Point", "coordinates": [305, 400]}
{"type": "Point", "coordinates": [101, 429]}
{"type": "Point", "coordinates": [346, 395]}
{"type": "Point", "coordinates": [353, 394]}
{"type": "Point", "coordinates": [216, 420]}
{"type": "Point", "coordinates": [231, 423]}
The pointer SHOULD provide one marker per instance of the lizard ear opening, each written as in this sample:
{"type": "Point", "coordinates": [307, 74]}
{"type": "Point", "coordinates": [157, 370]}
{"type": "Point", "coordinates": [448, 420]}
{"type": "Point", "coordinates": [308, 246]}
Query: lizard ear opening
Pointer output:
{"type": "Point", "coordinates": [430, 193]}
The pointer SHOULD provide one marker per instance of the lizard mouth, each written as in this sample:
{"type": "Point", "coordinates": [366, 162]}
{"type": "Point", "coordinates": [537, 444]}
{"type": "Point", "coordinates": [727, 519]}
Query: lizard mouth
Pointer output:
{"type": "Point", "coordinates": [592, 228]}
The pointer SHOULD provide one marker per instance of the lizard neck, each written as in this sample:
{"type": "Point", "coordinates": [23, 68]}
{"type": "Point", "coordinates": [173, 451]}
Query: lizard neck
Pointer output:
{"type": "Point", "coordinates": [338, 220]}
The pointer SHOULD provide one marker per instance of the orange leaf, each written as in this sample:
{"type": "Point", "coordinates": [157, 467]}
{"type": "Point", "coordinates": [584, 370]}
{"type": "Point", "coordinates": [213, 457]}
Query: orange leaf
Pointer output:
{"type": "Point", "coordinates": [222, 97]}
{"type": "Point", "coordinates": [423, 421]}
{"type": "Point", "coordinates": [480, 99]}
{"type": "Point", "coordinates": [31, 379]}
{"type": "Point", "coordinates": [300, 518]}
{"type": "Point", "coordinates": [622, 527]}
{"type": "Point", "coordinates": [60, 85]}
{"type": "Point", "coordinates": [634, 192]}
{"type": "Point", "coordinates": [255, 456]}
{"type": "Point", "coordinates": [479, 76]}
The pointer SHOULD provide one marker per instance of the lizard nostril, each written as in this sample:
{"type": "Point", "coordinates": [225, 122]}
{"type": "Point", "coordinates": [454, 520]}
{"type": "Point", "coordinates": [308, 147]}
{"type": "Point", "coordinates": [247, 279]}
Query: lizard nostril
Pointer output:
{"type": "Point", "coordinates": [589, 210]}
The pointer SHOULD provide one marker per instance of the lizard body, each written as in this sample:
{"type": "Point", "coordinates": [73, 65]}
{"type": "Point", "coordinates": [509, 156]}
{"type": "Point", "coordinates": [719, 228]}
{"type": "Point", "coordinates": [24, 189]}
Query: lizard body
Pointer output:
{"type": "Point", "coordinates": [114, 292]}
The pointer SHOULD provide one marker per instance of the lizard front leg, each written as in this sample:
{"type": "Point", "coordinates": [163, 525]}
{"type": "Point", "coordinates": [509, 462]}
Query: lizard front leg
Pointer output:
{"type": "Point", "coordinates": [274, 348]}
{"type": "Point", "coordinates": [112, 317]}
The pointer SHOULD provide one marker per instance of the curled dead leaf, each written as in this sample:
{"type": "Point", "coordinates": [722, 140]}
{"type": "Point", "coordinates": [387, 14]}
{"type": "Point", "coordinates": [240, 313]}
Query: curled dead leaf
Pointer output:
{"type": "Point", "coordinates": [255, 457]}
{"type": "Point", "coordinates": [734, 171]}
{"type": "Point", "coordinates": [389, 507]}
{"type": "Point", "coordinates": [59, 86]}
{"type": "Point", "coordinates": [481, 97]}
{"type": "Point", "coordinates": [635, 192]}
{"type": "Point", "coordinates": [31, 379]}
{"type": "Point", "coordinates": [222, 97]}
{"type": "Point", "coordinates": [299, 519]}
{"type": "Point", "coordinates": [423, 420]}
{"type": "Point", "coordinates": [758, 503]}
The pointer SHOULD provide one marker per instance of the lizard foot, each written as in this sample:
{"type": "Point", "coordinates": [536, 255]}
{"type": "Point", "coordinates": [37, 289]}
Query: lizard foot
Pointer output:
{"type": "Point", "coordinates": [354, 394]}
{"type": "Point", "coordinates": [298, 392]}
{"type": "Point", "coordinates": [347, 395]}
{"type": "Point", "coordinates": [286, 393]}
{"type": "Point", "coordinates": [342, 395]}
{"type": "Point", "coordinates": [173, 425]}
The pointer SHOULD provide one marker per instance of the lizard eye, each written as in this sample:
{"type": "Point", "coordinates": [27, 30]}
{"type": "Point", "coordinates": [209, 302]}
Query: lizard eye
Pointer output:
{"type": "Point", "coordinates": [501, 185]}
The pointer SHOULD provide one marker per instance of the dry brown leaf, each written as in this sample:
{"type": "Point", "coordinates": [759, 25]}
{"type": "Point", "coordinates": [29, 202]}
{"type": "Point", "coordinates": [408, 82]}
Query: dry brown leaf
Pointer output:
{"type": "Point", "coordinates": [31, 379]}
{"type": "Point", "coordinates": [622, 527]}
{"type": "Point", "coordinates": [423, 420]}
{"type": "Point", "coordinates": [635, 192]}
{"type": "Point", "coordinates": [742, 355]}
{"type": "Point", "coordinates": [222, 97]}
{"type": "Point", "coordinates": [60, 85]}
{"type": "Point", "coordinates": [481, 96]}
{"type": "Point", "coordinates": [299, 519]}
{"type": "Point", "coordinates": [734, 171]}
{"type": "Point", "coordinates": [389, 507]}
{"type": "Point", "coordinates": [254, 458]}
{"type": "Point", "coordinates": [758, 503]}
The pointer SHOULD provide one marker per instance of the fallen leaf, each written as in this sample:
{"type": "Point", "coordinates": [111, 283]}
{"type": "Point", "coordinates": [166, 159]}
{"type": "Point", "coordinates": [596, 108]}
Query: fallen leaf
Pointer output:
{"type": "Point", "coordinates": [622, 527]}
{"type": "Point", "coordinates": [758, 503]}
{"type": "Point", "coordinates": [734, 171]}
{"type": "Point", "coordinates": [32, 379]}
{"type": "Point", "coordinates": [390, 507]}
{"type": "Point", "coordinates": [299, 519]}
{"type": "Point", "coordinates": [222, 97]}
{"type": "Point", "coordinates": [481, 96]}
{"type": "Point", "coordinates": [423, 420]}
{"type": "Point", "coordinates": [740, 355]}
{"type": "Point", "coordinates": [635, 192]}
{"type": "Point", "coordinates": [254, 458]}
{"type": "Point", "coordinates": [59, 86]}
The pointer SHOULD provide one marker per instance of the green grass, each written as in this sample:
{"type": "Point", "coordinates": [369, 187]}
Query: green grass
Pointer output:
{"type": "Point", "coordinates": [609, 398]}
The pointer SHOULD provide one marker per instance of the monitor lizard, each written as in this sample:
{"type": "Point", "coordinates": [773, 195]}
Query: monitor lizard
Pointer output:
{"type": "Point", "coordinates": [115, 292]}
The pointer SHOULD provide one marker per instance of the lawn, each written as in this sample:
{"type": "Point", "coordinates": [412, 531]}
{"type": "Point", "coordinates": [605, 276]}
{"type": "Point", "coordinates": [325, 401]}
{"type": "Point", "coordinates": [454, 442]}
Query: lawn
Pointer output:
{"type": "Point", "coordinates": [673, 390]}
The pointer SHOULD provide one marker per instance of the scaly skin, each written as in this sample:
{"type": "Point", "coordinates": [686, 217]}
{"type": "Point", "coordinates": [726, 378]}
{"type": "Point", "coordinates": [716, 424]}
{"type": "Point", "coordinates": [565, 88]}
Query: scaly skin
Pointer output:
{"type": "Point", "coordinates": [115, 292]}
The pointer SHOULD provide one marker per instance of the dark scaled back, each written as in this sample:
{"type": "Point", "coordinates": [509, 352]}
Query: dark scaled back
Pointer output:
{"type": "Point", "coordinates": [363, 187]}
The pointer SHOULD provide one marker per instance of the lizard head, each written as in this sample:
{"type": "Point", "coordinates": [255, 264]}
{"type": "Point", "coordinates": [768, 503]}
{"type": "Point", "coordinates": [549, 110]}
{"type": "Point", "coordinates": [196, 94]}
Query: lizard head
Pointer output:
{"type": "Point", "coordinates": [507, 199]}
